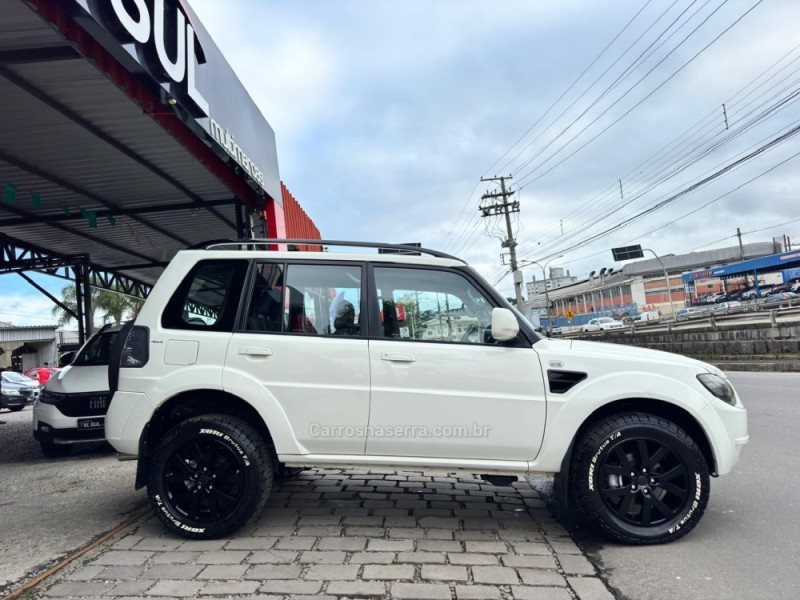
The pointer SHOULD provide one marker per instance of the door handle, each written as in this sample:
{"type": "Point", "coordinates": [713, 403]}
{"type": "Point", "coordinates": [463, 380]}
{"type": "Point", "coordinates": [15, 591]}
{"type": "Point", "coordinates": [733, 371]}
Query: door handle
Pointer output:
{"type": "Point", "coordinates": [252, 351]}
{"type": "Point", "coordinates": [395, 357]}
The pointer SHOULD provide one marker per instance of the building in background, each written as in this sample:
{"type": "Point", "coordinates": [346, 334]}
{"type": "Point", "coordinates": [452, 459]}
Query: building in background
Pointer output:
{"type": "Point", "coordinates": [641, 286]}
{"type": "Point", "coordinates": [556, 280]}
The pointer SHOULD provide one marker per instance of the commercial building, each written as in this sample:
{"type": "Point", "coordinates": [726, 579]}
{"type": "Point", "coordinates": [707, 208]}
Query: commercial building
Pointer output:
{"type": "Point", "coordinates": [641, 285]}
{"type": "Point", "coordinates": [127, 136]}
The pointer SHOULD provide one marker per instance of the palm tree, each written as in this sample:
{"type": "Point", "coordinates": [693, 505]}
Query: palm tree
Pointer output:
{"type": "Point", "coordinates": [114, 306]}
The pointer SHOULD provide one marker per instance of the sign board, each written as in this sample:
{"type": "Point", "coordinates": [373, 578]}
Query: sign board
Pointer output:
{"type": "Point", "coordinates": [627, 252]}
{"type": "Point", "coordinates": [570, 315]}
{"type": "Point", "coordinates": [164, 43]}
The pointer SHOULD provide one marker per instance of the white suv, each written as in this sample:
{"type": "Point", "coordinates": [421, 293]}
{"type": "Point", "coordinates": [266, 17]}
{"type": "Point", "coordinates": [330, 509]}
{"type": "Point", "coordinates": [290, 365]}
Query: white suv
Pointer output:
{"type": "Point", "coordinates": [245, 360]}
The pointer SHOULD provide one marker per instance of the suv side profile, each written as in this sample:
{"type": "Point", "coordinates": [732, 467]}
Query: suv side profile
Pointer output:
{"type": "Point", "coordinates": [245, 360]}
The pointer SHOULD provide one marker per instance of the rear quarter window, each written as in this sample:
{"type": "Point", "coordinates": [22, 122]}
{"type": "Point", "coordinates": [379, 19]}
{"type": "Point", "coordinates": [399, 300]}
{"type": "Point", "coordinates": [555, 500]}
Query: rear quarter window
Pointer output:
{"type": "Point", "coordinates": [208, 297]}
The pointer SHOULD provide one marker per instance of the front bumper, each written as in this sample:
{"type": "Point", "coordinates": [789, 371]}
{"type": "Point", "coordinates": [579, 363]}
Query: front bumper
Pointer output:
{"type": "Point", "coordinates": [7, 401]}
{"type": "Point", "coordinates": [50, 425]}
{"type": "Point", "coordinates": [727, 430]}
{"type": "Point", "coordinates": [45, 433]}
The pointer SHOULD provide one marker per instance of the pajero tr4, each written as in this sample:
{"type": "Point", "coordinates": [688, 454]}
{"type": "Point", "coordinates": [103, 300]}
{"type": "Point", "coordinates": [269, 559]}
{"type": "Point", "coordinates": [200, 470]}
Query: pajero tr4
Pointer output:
{"type": "Point", "coordinates": [245, 360]}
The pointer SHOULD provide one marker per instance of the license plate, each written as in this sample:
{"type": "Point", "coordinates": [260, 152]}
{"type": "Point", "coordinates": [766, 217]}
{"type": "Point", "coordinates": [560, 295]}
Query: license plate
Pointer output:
{"type": "Point", "coordinates": [91, 423]}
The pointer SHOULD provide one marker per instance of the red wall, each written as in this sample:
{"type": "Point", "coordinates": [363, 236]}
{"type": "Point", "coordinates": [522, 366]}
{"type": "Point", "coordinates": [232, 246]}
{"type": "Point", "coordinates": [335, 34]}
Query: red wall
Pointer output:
{"type": "Point", "coordinates": [290, 221]}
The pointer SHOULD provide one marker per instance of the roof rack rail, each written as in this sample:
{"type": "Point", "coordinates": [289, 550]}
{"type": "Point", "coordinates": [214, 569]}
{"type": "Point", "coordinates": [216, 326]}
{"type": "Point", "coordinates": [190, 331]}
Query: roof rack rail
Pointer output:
{"type": "Point", "coordinates": [232, 244]}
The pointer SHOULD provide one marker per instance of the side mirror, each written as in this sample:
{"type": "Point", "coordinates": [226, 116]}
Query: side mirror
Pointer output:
{"type": "Point", "coordinates": [504, 324]}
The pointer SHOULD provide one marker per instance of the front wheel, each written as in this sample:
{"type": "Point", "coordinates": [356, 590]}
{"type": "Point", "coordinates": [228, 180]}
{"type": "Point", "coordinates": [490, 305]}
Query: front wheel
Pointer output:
{"type": "Point", "coordinates": [209, 476]}
{"type": "Point", "coordinates": [51, 450]}
{"type": "Point", "coordinates": [641, 478]}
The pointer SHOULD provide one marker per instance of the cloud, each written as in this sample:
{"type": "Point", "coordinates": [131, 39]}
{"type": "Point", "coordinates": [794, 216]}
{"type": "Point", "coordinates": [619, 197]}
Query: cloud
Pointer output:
{"type": "Point", "coordinates": [26, 310]}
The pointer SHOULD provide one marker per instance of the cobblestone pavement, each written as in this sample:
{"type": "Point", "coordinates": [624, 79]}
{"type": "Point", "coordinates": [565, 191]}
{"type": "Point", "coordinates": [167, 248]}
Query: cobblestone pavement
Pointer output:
{"type": "Point", "coordinates": [350, 533]}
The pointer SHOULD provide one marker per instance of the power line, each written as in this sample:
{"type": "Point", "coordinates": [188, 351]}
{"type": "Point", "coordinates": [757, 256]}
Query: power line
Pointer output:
{"type": "Point", "coordinates": [566, 91]}
{"type": "Point", "coordinates": [733, 165]}
{"type": "Point", "coordinates": [635, 106]}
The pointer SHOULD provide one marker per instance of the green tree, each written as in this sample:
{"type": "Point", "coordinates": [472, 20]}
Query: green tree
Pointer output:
{"type": "Point", "coordinates": [112, 306]}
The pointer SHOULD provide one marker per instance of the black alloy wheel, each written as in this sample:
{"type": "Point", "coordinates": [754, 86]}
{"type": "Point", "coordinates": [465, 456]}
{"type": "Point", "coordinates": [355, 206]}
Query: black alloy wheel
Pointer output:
{"type": "Point", "coordinates": [209, 476]}
{"type": "Point", "coordinates": [640, 478]}
{"type": "Point", "coordinates": [203, 480]}
{"type": "Point", "coordinates": [644, 482]}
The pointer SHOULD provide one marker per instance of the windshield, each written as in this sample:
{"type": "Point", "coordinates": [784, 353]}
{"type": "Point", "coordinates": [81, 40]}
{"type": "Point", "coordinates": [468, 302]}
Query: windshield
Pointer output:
{"type": "Point", "coordinates": [16, 377]}
{"type": "Point", "coordinates": [606, 320]}
{"type": "Point", "coordinates": [96, 350]}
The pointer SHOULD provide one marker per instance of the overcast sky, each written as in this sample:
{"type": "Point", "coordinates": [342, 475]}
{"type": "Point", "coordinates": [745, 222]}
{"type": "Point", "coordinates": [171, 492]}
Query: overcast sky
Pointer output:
{"type": "Point", "coordinates": [387, 114]}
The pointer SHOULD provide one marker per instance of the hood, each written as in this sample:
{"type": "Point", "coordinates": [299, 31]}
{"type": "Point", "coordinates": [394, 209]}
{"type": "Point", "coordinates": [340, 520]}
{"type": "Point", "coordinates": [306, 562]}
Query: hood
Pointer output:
{"type": "Point", "coordinates": [19, 384]}
{"type": "Point", "coordinates": [79, 380]}
{"type": "Point", "coordinates": [632, 356]}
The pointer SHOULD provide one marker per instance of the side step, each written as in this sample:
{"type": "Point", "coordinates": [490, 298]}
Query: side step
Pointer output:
{"type": "Point", "coordinates": [500, 480]}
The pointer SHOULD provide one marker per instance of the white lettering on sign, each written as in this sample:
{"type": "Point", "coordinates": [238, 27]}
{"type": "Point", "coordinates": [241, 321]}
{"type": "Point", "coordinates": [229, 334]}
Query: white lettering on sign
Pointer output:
{"type": "Point", "coordinates": [138, 28]}
{"type": "Point", "coordinates": [167, 38]}
{"type": "Point", "coordinates": [171, 52]}
{"type": "Point", "coordinates": [225, 139]}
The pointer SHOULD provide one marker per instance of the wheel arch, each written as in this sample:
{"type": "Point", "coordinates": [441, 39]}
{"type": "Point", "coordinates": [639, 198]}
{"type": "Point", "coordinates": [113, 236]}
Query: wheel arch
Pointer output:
{"type": "Point", "coordinates": [658, 408]}
{"type": "Point", "coordinates": [193, 403]}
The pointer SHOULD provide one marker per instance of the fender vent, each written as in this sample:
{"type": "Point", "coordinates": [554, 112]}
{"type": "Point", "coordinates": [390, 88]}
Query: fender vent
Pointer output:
{"type": "Point", "coordinates": [563, 381]}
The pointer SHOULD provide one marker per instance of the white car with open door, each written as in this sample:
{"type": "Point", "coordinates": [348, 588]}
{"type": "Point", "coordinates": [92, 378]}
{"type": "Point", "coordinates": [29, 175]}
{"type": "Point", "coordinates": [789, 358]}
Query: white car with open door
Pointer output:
{"type": "Point", "coordinates": [243, 358]}
{"type": "Point", "coordinates": [71, 409]}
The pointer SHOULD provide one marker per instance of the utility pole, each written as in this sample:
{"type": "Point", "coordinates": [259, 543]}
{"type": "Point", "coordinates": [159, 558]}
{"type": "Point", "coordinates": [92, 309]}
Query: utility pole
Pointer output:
{"type": "Point", "coordinates": [500, 205]}
{"type": "Point", "coordinates": [741, 248]}
{"type": "Point", "coordinates": [741, 252]}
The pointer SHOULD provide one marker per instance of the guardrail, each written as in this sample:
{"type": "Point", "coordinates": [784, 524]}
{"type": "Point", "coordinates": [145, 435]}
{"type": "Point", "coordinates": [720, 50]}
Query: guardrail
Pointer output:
{"type": "Point", "coordinates": [758, 310]}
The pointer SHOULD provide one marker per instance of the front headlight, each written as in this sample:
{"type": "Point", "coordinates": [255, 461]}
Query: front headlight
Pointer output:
{"type": "Point", "coordinates": [11, 392]}
{"type": "Point", "coordinates": [48, 397]}
{"type": "Point", "coordinates": [718, 386]}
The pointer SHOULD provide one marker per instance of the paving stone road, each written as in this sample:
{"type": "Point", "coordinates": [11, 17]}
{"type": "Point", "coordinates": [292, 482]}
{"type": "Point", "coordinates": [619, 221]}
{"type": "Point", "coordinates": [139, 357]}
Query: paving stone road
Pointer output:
{"type": "Point", "coordinates": [351, 533]}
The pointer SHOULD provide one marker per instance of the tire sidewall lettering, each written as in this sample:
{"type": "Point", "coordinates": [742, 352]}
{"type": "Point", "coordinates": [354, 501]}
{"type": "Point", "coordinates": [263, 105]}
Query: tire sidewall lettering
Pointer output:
{"type": "Point", "coordinates": [229, 440]}
{"type": "Point", "coordinates": [591, 474]}
{"type": "Point", "coordinates": [162, 507]}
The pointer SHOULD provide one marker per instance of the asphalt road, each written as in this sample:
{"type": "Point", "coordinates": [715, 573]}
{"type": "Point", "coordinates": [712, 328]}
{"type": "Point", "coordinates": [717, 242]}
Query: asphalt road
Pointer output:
{"type": "Point", "coordinates": [747, 546]}
{"type": "Point", "coordinates": [50, 507]}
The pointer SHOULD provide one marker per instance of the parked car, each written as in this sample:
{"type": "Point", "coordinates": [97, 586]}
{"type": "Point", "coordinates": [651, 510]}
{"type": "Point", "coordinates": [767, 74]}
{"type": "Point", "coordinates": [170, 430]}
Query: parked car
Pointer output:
{"type": "Point", "coordinates": [779, 300]}
{"type": "Point", "coordinates": [692, 312]}
{"type": "Point", "coordinates": [16, 390]}
{"type": "Point", "coordinates": [602, 324]}
{"type": "Point", "coordinates": [728, 307]}
{"type": "Point", "coordinates": [41, 374]}
{"type": "Point", "coordinates": [737, 294]}
{"type": "Point", "coordinates": [71, 409]}
{"type": "Point", "coordinates": [243, 359]}
{"type": "Point", "coordinates": [647, 316]}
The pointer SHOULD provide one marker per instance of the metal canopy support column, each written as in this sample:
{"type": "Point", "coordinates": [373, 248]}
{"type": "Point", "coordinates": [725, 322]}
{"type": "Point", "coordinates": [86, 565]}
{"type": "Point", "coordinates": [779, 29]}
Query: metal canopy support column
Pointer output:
{"type": "Point", "coordinates": [240, 221]}
{"type": "Point", "coordinates": [87, 298]}
{"type": "Point", "coordinates": [76, 271]}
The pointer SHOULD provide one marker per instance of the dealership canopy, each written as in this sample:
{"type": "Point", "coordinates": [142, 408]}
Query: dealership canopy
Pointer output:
{"type": "Point", "coordinates": [126, 137]}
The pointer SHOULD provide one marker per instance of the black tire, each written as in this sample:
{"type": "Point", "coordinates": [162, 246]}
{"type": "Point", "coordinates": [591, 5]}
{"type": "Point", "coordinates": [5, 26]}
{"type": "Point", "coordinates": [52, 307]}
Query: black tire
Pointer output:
{"type": "Point", "coordinates": [209, 476]}
{"type": "Point", "coordinates": [51, 450]}
{"type": "Point", "coordinates": [640, 478]}
{"type": "Point", "coordinates": [15, 408]}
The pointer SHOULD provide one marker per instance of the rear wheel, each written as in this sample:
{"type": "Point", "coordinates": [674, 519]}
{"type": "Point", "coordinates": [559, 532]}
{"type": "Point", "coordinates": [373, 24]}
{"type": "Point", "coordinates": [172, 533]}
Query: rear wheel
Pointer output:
{"type": "Point", "coordinates": [209, 476]}
{"type": "Point", "coordinates": [641, 478]}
